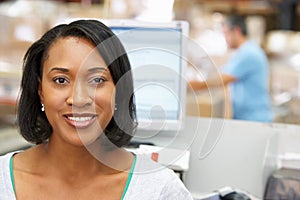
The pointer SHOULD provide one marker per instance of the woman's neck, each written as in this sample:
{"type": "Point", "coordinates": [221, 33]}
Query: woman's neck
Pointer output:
{"type": "Point", "coordinates": [74, 162]}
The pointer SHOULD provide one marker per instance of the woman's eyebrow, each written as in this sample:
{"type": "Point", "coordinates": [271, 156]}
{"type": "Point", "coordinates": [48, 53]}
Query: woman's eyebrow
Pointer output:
{"type": "Point", "coordinates": [96, 69]}
{"type": "Point", "coordinates": [61, 69]}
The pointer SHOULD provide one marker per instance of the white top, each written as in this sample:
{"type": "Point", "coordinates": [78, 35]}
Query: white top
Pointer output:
{"type": "Point", "coordinates": [149, 181]}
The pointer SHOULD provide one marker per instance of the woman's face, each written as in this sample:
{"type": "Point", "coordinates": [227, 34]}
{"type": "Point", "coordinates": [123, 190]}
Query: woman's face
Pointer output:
{"type": "Point", "coordinates": [77, 91]}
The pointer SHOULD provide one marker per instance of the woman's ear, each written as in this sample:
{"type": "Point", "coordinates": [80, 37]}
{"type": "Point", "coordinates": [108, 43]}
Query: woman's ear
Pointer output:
{"type": "Point", "coordinates": [40, 91]}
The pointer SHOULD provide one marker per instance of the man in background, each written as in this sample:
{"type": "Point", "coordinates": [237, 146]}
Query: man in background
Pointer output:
{"type": "Point", "coordinates": [246, 73]}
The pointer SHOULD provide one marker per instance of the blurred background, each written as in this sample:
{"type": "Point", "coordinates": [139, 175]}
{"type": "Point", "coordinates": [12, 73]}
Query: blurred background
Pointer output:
{"type": "Point", "coordinates": [274, 24]}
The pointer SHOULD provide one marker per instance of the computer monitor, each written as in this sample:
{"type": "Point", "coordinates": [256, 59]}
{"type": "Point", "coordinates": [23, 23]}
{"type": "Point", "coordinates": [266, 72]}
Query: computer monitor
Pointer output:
{"type": "Point", "coordinates": [157, 53]}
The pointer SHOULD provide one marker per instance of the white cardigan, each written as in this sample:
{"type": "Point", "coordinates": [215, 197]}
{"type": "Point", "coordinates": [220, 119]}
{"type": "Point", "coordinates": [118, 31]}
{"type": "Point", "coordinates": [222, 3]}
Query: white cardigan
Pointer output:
{"type": "Point", "coordinates": [149, 181]}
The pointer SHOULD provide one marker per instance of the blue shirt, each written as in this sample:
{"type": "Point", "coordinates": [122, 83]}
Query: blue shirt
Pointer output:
{"type": "Point", "coordinates": [250, 93]}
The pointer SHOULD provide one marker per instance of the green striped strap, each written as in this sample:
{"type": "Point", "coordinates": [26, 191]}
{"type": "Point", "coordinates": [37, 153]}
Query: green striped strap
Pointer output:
{"type": "Point", "coordinates": [11, 170]}
{"type": "Point", "coordinates": [129, 177]}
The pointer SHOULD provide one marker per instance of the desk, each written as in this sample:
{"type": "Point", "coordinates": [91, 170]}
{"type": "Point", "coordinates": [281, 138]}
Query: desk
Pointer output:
{"type": "Point", "coordinates": [239, 154]}
{"type": "Point", "coordinates": [173, 158]}
{"type": "Point", "coordinates": [11, 140]}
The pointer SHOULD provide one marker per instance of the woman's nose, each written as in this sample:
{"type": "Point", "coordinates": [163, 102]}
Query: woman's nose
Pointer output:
{"type": "Point", "coordinates": [79, 96]}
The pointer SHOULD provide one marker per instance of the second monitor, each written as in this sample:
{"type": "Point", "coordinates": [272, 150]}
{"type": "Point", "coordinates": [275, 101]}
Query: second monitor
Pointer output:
{"type": "Point", "coordinates": [157, 53]}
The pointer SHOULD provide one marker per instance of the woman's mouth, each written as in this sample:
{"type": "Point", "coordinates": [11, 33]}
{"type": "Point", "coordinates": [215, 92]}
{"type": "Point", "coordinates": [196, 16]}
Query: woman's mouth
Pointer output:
{"type": "Point", "coordinates": [80, 120]}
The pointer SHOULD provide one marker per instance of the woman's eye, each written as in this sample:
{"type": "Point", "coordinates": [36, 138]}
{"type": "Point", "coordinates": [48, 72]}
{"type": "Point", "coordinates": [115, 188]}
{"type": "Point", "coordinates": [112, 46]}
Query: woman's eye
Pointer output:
{"type": "Point", "coordinates": [97, 80]}
{"type": "Point", "coordinates": [60, 80]}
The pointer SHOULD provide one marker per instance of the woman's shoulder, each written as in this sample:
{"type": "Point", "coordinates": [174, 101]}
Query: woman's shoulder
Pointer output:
{"type": "Point", "coordinates": [5, 162]}
{"type": "Point", "coordinates": [156, 181]}
{"type": "Point", "coordinates": [146, 166]}
{"type": "Point", "coordinates": [6, 157]}
{"type": "Point", "coordinates": [6, 191]}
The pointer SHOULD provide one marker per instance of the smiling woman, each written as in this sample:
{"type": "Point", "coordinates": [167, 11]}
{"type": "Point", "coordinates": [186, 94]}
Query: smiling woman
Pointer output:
{"type": "Point", "coordinates": [71, 49]}
{"type": "Point", "coordinates": [77, 106]}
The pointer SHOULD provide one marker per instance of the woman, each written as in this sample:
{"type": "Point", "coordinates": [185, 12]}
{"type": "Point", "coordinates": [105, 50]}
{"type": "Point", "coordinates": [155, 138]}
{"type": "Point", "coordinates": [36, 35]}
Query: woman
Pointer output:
{"type": "Point", "coordinates": [77, 105]}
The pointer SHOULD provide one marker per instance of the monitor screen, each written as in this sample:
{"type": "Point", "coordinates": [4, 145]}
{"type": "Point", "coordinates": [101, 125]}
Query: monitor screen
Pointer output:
{"type": "Point", "coordinates": [157, 56]}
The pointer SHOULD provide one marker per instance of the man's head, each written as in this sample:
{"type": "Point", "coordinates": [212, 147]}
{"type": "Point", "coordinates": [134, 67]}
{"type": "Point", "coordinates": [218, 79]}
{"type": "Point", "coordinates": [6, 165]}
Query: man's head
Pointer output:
{"type": "Point", "coordinates": [235, 30]}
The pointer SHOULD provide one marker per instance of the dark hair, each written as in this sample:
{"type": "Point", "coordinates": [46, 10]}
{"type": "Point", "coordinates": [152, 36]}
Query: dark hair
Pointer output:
{"type": "Point", "coordinates": [237, 21]}
{"type": "Point", "coordinates": [33, 123]}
